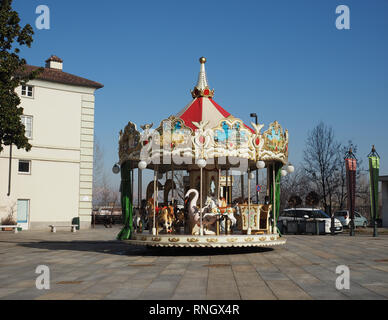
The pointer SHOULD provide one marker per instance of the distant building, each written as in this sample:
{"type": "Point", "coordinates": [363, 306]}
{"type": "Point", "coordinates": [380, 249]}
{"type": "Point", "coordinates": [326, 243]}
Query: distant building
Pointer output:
{"type": "Point", "coordinates": [384, 198]}
{"type": "Point", "coordinates": [52, 183]}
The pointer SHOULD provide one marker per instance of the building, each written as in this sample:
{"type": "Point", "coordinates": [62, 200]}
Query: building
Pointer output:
{"type": "Point", "coordinates": [52, 183]}
{"type": "Point", "coordinates": [384, 196]}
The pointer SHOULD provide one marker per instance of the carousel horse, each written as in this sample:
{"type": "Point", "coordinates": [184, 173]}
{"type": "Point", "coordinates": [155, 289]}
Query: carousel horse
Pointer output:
{"type": "Point", "coordinates": [179, 221]}
{"type": "Point", "coordinates": [228, 216]}
{"type": "Point", "coordinates": [165, 220]}
{"type": "Point", "coordinates": [150, 213]}
{"type": "Point", "coordinates": [137, 223]}
{"type": "Point", "coordinates": [164, 217]}
{"type": "Point", "coordinates": [209, 215]}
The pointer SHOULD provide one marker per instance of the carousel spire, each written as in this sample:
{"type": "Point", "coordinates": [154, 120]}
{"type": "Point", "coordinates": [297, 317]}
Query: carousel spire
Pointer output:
{"type": "Point", "coordinates": [202, 87]}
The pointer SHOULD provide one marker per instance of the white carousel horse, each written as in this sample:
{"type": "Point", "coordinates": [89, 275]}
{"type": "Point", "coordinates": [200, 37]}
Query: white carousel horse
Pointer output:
{"type": "Point", "coordinates": [230, 216]}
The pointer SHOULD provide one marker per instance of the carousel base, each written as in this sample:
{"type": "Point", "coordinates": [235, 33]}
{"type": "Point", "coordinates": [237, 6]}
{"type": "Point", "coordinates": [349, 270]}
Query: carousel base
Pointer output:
{"type": "Point", "coordinates": [209, 241]}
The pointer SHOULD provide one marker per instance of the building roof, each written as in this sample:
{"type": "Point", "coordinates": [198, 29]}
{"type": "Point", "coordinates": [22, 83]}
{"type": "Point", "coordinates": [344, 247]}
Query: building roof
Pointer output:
{"type": "Point", "coordinates": [56, 75]}
{"type": "Point", "coordinates": [383, 178]}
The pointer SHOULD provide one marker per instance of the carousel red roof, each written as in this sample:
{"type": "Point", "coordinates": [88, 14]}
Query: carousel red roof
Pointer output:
{"type": "Point", "coordinates": [203, 107]}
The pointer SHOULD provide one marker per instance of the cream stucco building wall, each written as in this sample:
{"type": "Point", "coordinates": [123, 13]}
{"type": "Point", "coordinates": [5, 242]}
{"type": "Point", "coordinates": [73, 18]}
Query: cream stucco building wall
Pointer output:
{"type": "Point", "coordinates": [58, 187]}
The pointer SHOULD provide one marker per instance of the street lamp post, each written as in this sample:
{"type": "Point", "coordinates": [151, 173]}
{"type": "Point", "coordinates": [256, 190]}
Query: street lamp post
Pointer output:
{"type": "Point", "coordinates": [351, 164]}
{"type": "Point", "coordinates": [254, 115]}
{"type": "Point", "coordinates": [374, 166]}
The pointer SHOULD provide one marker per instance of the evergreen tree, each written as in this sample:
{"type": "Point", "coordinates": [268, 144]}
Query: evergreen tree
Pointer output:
{"type": "Point", "coordinates": [12, 75]}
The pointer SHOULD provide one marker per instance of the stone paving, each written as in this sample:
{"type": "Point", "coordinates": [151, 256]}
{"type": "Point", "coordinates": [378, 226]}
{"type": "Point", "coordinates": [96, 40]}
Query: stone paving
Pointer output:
{"type": "Point", "coordinates": [91, 264]}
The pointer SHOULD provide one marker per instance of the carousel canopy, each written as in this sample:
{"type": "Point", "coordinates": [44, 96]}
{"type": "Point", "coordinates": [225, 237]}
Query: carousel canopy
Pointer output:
{"type": "Point", "coordinates": [203, 129]}
{"type": "Point", "coordinates": [203, 107]}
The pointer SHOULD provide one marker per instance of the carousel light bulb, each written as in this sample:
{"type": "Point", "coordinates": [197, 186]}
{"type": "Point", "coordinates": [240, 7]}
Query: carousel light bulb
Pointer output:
{"type": "Point", "coordinates": [283, 172]}
{"type": "Point", "coordinates": [201, 163]}
{"type": "Point", "coordinates": [260, 164]}
{"type": "Point", "coordinates": [290, 168]}
{"type": "Point", "coordinates": [142, 165]}
{"type": "Point", "coordinates": [116, 168]}
{"type": "Point", "coordinates": [251, 175]}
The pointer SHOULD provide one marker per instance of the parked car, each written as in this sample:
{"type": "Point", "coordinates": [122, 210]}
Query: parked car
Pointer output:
{"type": "Point", "coordinates": [307, 214]}
{"type": "Point", "coordinates": [344, 217]}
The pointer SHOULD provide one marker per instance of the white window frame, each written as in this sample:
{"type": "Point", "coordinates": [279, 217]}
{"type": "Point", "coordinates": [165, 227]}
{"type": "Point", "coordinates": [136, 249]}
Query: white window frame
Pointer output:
{"type": "Point", "coordinates": [29, 167]}
{"type": "Point", "coordinates": [25, 89]}
{"type": "Point", "coordinates": [23, 118]}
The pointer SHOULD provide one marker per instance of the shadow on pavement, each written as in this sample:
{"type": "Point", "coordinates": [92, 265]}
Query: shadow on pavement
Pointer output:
{"type": "Point", "coordinates": [121, 248]}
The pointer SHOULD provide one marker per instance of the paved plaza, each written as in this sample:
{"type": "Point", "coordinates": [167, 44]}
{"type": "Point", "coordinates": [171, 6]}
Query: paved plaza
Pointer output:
{"type": "Point", "coordinates": [91, 264]}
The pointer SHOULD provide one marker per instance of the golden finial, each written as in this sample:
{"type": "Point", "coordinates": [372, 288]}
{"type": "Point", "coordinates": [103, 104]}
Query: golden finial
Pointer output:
{"type": "Point", "coordinates": [202, 87]}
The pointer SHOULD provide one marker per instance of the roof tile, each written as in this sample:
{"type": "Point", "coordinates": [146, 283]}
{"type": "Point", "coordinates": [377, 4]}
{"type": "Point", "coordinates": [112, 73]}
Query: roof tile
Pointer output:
{"type": "Point", "coordinates": [56, 75]}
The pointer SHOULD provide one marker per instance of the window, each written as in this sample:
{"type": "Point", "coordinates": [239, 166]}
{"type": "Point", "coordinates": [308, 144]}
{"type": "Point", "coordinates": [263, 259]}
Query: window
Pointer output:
{"type": "Point", "coordinates": [302, 213]}
{"type": "Point", "coordinates": [283, 214]}
{"type": "Point", "coordinates": [28, 91]}
{"type": "Point", "coordinates": [319, 214]}
{"type": "Point", "coordinates": [24, 166]}
{"type": "Point", "coordinates": [288, 213]}
{"type": "Point", "coordinates": [341, 214]}
{"type": "Point", "coordinates": [27, 121]}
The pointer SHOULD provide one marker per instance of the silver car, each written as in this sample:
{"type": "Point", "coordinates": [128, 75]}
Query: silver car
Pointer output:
{"type": "Point", "coordinates": [344, 217]}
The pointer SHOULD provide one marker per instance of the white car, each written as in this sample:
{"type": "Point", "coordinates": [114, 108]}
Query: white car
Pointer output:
{"type": "Point", "coordinates": [309, 214]}
{"type": "Point", "coordinates": [344, 217]}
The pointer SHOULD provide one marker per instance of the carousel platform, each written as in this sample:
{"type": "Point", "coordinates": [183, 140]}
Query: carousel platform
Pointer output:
{"type": "Point", "coordinates": [209, 241]}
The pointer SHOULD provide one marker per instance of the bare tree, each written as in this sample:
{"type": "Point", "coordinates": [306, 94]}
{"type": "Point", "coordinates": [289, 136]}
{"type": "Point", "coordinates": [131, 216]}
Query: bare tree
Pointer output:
{"type": "Point", "coordinates": [236, 189]}
{"type": "Point", "coordinates": [362, 194]}
{"type": "Point", "coordinates": [179, 191]}
{"type": "Point", "coordinates": [340, 192]}
{"type": "Point", "coordinates": [296, 183]}
{"type": "Point", "coordinates": [322, 162]}
{"type": "Point", "coordinates": [103, 193]}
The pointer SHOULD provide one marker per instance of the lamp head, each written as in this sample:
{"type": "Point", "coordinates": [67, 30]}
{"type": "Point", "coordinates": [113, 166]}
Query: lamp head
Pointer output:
{"type": "Point", "coordinates": [201, 163]}
{"type": "Point", "coordinates": [116, 168]}
{"type": "Point", "coordinates": [260, 164]}
{"type": "Point", "coordinates": [142, 165]}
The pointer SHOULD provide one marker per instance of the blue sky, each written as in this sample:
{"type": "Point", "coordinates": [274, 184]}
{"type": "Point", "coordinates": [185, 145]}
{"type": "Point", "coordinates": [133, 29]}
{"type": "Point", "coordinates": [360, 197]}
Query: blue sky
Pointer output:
{"type": "Point", "coordinates": [284, 60]}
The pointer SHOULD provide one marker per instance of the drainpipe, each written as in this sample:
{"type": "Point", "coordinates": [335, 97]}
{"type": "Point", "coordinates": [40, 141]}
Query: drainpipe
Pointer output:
{"type": "Point", "coordinates": [9, 170]}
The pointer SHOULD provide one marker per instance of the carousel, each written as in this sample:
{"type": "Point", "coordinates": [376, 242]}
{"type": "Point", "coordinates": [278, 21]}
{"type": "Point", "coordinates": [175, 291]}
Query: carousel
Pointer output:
{"type": "Point", "coordinates": [210, 149]}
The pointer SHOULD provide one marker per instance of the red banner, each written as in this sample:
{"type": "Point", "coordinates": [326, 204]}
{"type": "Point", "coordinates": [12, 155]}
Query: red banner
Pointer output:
{"type": "Point", "coordinates": [351, 166]}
